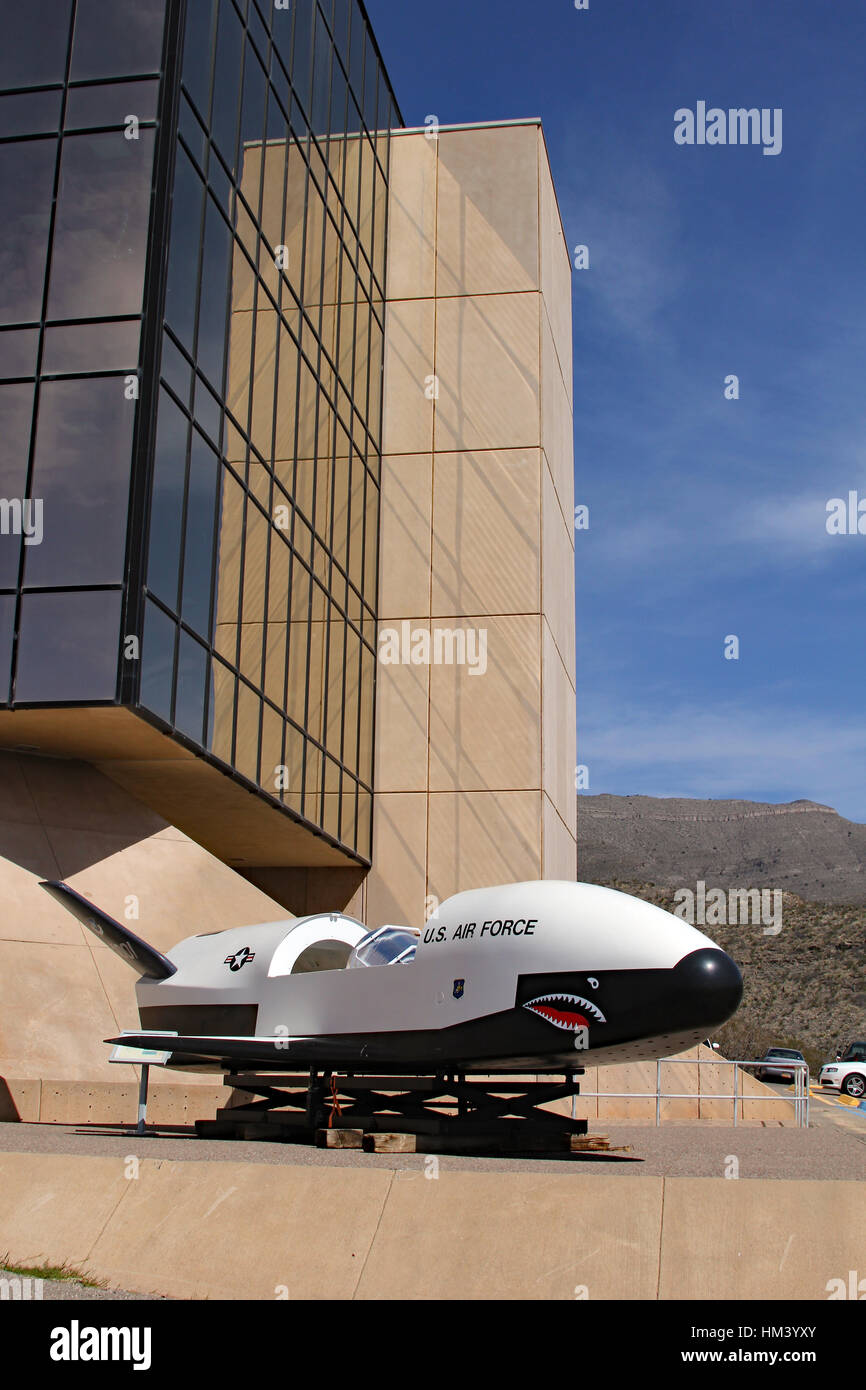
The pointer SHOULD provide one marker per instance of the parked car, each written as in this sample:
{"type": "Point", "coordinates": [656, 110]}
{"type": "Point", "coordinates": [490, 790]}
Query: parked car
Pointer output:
{"type": "Point", "coordinates": [848, 1073]}
{"type": "Point", "coordinates": [776, 1064]}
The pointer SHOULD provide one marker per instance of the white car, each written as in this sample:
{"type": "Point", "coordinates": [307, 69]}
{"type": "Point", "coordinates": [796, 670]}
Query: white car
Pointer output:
{"type": "Point", "coordinates": [848, 1074]}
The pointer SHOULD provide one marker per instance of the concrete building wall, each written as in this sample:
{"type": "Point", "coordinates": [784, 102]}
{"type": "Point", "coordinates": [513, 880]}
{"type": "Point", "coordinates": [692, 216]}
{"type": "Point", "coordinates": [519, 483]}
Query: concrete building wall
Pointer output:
{"type": "Point", "coordinates": [61, 990]}
{"type": "Point", "coordinates": [474, 770]}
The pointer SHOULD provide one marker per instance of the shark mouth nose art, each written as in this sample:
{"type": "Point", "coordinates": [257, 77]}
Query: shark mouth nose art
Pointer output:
{"type": "Point", "coordinates": [568, 1011]}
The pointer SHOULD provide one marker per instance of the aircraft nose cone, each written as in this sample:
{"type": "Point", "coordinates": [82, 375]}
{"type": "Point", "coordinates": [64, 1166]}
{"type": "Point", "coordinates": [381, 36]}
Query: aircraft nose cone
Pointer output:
{"type": "Point", "coordinates": [712, 983]}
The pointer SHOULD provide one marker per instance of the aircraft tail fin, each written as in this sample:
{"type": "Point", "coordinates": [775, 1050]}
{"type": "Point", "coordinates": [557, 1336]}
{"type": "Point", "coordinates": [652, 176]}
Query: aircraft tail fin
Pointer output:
{"type": "Point", "coordinates": [143, 958]}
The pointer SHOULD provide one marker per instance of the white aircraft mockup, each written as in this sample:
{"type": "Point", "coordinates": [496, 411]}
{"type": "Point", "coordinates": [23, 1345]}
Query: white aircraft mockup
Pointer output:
{"type": "Point", "coordinates": [537, 977]}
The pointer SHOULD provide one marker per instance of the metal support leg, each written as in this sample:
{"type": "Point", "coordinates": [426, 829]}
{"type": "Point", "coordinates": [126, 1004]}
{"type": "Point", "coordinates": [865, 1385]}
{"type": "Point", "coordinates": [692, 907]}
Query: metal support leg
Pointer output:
{"type": "Point", "coordinates": [141, 1127]}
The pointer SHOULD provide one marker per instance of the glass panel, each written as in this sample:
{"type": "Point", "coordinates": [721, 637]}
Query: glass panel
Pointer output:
{"type": "Point", "coordinates": [157, 661]}
{"type": "Point", "coordinates": [227, 76]}
{"type": "Point", "coordinates": [175, 369]}
{"type": "Point", "coordinates": [91, 347]}
{"type": "Point", "coordinates": [7, 627]}
{"type": "Point", "coordinates": [184, 251]}
{"type": "Point", "coordinates": [191, 683]}
{"type": "Point", "coordinates": [197, 53]}
{"type": "Point", "coordinates": [192, 133]}
{"type": "Point", "coordinates": [371, 75]}
{"type": "Point", "coordinates": [252, 119]}
{"type": "Point", "coordinates": [216, 264]}
{"type": "Point", "coordinates": [35, 41]}
{"type": "Point", "coordinates": [302, 58]}
{"type": "Point", "coordinates": [113, 40]}
{"type": "Point", "coordinates": [30, 113]}
{"type": "Point", "coordinates": [68, 647]}
{"type": "Point", "coordinates": [246, 757]}
{"type": "Point", "coordinates": [16, 412]}
{"type": "Point", "coordinates": [100, 235]}
{"type": "Point", "coordinates": [81, 473]}
{"type": "Point", "coordinates": [341, 26]}
{"type": "Point", "coordinates": [111, 104]}
{"type": "Point", "coordinates": [166, 509]}
{"type": "Point", "coordinates": [207, 412]}
{"type": "Point", "coordinates": [321, 103]}
{"type": "Point", "coordinates": [26, 182]}
{"type": "Point", "coordinates": [199, 550]}
{"type": "Point", "coordinates": [18, 352]}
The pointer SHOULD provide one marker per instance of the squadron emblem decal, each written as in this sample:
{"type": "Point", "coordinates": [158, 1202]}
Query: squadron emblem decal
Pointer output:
{"type": "Point", "coordinates": [568, 1011]}
{"type": "Point", "coordinates": [240, 958]}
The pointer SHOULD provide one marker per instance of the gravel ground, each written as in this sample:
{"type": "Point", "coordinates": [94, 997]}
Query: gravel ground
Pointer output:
{"type": "Point", "coordinates": [69, 1290]}
{"type": "Point", "coordinates": [824, 1151]}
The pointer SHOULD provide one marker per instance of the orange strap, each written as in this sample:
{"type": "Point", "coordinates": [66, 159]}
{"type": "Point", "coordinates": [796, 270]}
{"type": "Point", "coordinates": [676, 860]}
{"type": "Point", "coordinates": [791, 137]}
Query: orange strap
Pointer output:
{"type": "Point", "coordinates": [336, 1108]}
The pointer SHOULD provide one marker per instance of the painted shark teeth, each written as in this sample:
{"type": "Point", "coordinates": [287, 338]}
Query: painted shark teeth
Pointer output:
{"type": "Point", "coordinates": [567, 1011]}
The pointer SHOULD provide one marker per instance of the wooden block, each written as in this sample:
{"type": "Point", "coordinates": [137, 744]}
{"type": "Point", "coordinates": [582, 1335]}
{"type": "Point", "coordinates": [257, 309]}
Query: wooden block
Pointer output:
{"type": "Point", "coordinates": [339, 1138]}
{"type": "Point", "coordinates": [390, 1143]}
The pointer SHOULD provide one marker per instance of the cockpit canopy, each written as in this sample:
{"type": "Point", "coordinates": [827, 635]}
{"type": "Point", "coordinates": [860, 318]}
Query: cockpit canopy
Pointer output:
{"type": "Point", "coordinates": [385, 946]}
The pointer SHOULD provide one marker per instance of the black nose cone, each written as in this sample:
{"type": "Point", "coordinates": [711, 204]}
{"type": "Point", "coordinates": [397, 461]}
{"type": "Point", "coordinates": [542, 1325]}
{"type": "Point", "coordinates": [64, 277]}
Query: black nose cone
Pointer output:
{"type": "Point", "coordinates": [711, 983]}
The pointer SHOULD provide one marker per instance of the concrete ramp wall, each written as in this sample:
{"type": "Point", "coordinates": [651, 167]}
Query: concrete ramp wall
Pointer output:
{"type": "Point", "coordinates": [231, 1230]}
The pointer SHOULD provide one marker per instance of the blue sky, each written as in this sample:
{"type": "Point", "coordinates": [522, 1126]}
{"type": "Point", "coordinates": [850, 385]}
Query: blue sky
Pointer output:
{"type": "Point", "coordinates": [707, 516]}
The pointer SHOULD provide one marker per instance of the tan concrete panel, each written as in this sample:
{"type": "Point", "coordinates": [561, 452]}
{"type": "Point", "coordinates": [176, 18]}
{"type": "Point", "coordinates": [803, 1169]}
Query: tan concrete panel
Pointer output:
{"type": "Point", "coordinates": [19, 1100]}
{"type": "Point", "coordinates": [487, 532]}
{"type": "Point", "coordinates": [515, 1236]}
{"type": "Point", "coordinates": [74, 795]}
{"type": "Point", "coordinates": [480, 839]}
{"type": "Point", "coordinates": [407, 419]}
{"type": "Point", "coordinates": [556, 269]}
{"type": "Point", "coordinates": [488, 364]}
{"type": "Point", "coordinates": [558, 425]}
{"type": "Point", "coordinates": [402, 700]}
{"type": "Point", "coordinates": [28, 912]}
{"type": "Point", "coordinates": [53, 1012]}
{"type": "Point", "coordinates": [558, 574]}
{"type": "Point", "coordinates": [485, 727]}
{"type": "Point", "coordinates": [185, 1228]}
{"type": "Point", "coordinates": [488, 211]}
{"type": "Point", "coordinates": [744, 1238]}
{"type": "Point", "coordinates": [53, 1207]}
{"type": "Point", "coordinates": [16, 799]}
{"type": "Point", "coordinates": [559, 738]}
{"type": "Point", "coordinates": [560, 847]}
{"type": "Point", "coordinates": [397, 883]}
{"type": "Point", "coordinates": [404, 536]}
{"type": "Point", "coordinates": [411, 216]}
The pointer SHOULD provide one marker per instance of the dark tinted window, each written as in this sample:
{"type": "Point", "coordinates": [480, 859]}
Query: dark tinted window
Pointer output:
{"type": "Point", "coordinates": [29, 113]}
{"type": "Point", "coordinates": [111, 104]}
{"type": "Point", "coordinates": [81, 474]}
{"type": "Point", "coordinates": [100, 234]}
{"type": "Point", "coordinates": [26, 182]}
{"type": "Point", "coordinates": [157, 661]}
{"type": "Point", "coordinates": [116, 38]}
{"type": "Point", "coordinates": [34, 43]}
{"type": "Point", "coordinates": [67, 647]}
{"type": "Point", "coordinates": [91, 347]}
{"type": "Point", "coordinates": [18, 351]}
{"type": "Point", "coordinates": [169, 472]}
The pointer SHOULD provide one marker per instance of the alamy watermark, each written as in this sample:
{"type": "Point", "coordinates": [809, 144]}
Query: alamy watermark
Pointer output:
{"type": "Point", "coordinates": [22, 516]}
{"type": "Point", "coordinates": [755, 907]}
{"type": "Point", "coordinates": [439, 646]}
{"type": "Point", "coordinates": [736, 126]}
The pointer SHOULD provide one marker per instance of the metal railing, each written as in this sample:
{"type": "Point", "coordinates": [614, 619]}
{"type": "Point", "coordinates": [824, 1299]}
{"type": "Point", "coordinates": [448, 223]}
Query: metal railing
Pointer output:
{"type": "Point", "coordinates": [799, 1099]}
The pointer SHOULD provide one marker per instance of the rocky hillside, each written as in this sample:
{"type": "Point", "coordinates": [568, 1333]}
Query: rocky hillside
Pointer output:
{"type": "Point", "coordinates": [803, 987]}
{"type": "Point", "coordinates": [802, 847]}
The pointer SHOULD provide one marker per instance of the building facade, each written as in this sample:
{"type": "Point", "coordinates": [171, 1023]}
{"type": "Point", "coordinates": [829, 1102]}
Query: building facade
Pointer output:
{"type": "Point", "coordinates": [286, 494]}
{"type": "Point", "coordinates": [192, 343]}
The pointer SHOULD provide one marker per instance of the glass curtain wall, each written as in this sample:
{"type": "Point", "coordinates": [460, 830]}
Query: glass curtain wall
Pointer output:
{"type": "Point", "coordinates": [79, 86]}
{"type": "Point", "coordinates": [262, 534]}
